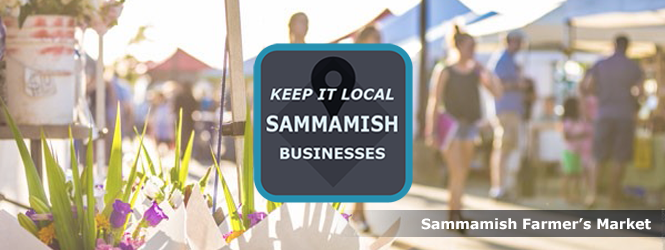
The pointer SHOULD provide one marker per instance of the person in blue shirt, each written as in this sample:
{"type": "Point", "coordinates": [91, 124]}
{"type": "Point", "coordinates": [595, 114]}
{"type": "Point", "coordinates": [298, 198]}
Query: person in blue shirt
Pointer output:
{"type": "Point", "coordinates": [509, 109]}
{"type": "Point", "coordinates": [613, 81]}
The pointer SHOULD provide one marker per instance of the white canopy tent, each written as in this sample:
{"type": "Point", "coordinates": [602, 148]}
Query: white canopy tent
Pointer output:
{"type": "Point", "coordinates": [617, 13]}
{"type": "Point", "coordinates": [583, 25]}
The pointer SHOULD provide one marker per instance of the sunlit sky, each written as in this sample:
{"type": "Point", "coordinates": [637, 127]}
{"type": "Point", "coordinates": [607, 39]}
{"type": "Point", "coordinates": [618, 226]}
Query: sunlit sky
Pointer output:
{"type": "Point", "coordinates": [198, 26]}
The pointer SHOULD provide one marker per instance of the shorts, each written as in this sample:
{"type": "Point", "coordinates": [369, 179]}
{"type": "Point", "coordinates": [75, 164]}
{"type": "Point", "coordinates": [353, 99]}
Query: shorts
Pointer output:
{"type": "Point", "coordinates": [613, 139]}
{"type": "Point", "coordinates": [509, 131]}
{"type": "Point", "coordinates": [571, 163]}
{"type": "Point", "coordinates": [467, 131]}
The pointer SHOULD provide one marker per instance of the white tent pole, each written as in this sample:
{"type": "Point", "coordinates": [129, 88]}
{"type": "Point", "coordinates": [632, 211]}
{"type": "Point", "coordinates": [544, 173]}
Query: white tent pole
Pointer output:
{"type": "Point", "coordinates": [100, 106]}
{"type": "Point", "coordinates": [236, 75]}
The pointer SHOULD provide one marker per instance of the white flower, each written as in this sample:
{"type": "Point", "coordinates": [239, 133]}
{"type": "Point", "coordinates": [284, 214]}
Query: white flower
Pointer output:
{"type": "Point", "coordinates": [153, 187]}
{"type": "Point", "coordinates": [98, 191]}
{"type": "Point", "coordinates": [176, 198]}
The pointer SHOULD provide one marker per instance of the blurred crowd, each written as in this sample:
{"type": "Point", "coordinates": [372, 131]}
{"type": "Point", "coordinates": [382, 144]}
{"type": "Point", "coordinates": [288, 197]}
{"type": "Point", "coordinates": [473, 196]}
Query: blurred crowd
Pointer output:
{"type": "Point", "coordinates": [597, 120]}
{"type": "Point", "coordinates": [159, 106]}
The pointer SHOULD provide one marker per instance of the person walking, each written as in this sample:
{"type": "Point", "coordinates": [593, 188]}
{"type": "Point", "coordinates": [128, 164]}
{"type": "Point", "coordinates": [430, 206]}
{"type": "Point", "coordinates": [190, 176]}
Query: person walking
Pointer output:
{"type": "Point", "coordinates": [616, 82]}
{"type": "Point", "coordinates": [509, 110]}
{"type": "Point", "coordinates": [456, 86]}
{"type": "Point", "coordinates": [298, 26]}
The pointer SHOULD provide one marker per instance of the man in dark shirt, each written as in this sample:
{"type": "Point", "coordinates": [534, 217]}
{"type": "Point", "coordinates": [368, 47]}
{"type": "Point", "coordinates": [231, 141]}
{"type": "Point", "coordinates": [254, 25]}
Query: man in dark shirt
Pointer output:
{"type": "Point", "coordinates": [616, 82]}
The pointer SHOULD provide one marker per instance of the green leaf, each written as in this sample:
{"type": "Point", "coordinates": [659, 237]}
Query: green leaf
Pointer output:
{"type": "Point", "coordinates": [27, 223]}
{"type": "Point", "coordinates": [175, 174]}
{"type": "Point", "coordinates": [236, 223]}
{"type": "Point", "coordinates": [247, 174]}
{"type": "Point", "coordinates": [87, 178]}
{"type": "Point", "coordinates": [114, 177]}
{"type": "Point", "coordinates": [78, 189]}
{"type": "Point", "coordinates": [142, 146]}
{"type": "Point", "coordinates": [65, 228]}
{"type": "Point", "coordinates": [134, 197]}
{"type": "Point", "coordinates": [204, 180]}
{"type": "Point", "coordinates": [336, 205]}
{"type": "Point", "coordinates": [35, 187]}
{"type": "Point", "coordinates": [138, 187]}
{"type": "Point", "coordinates": [271, 206]}
{"type": "Point", "coordinates": [184, 168]}
{"type": "Point", "coordinates": [161, 170]}
{"type": "Point", "coordinates": [132, 173]}
{"type": "Point", "coordinates": [108, 208]}
{"type": "Point", "coordinates": [39, 206]}
{"type": "Point", "coordinates": [151, 166]}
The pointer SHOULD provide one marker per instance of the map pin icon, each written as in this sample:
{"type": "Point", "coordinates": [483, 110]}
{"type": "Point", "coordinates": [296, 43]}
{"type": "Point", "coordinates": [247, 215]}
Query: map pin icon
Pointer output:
{"type": "Point", "coordinates": [333, 103]}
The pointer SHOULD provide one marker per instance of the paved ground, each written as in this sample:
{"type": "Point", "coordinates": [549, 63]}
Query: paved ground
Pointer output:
{"type": "Point", "coordinates": [422, 197]}
{"type": "Point", "coordinates": [425, 197]}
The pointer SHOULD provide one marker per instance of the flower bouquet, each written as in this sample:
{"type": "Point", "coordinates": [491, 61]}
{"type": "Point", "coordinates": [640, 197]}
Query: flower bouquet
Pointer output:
{"type": "Point", "coordinates": [74, 217]}
{"type": "Point", "coordinates": [154, 208]}
{"type": "Point", "coordinates": [282, 226]}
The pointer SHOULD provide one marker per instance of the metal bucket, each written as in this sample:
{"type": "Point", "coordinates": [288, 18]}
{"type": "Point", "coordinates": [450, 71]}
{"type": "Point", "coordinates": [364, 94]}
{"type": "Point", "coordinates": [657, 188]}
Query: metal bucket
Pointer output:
{"type": "Point", "coordinates": [40, 81]}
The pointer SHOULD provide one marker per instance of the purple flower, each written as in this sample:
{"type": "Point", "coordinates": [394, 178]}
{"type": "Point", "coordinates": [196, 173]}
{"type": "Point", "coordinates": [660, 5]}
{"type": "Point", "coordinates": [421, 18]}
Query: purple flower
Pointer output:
{"type": "Point", "coordinates": [128, 243]}
{"type": "Point", "coordinates": [30, 213]}
{"type": "Point", "coordinates": [101, 245]}
{"type": "Point", "coordinates": [346, 216]}
{"type": "Point", "coordinates": [119, 214]}
{"type": "Point", "coordinates": [154, 215]}
{"type": "Point", "coordinates": [35, 217]}
{"type": "Point", "coordinates": [255, 218]}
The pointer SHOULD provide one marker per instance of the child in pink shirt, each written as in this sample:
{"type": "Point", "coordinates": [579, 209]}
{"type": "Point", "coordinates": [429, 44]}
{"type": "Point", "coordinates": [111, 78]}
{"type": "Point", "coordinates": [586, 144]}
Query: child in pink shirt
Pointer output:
{"type": "Point", "coordinates": [577, 133]}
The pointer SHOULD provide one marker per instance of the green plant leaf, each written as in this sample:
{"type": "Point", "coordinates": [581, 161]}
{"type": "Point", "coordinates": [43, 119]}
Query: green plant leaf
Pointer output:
{"type": "Point", "coordinates": [114, 177]}
{"type": "Point", "coordinates": [236, 223]}
{"type": "Point", "coordinates": [132, 173]}
{"type": "Point", "coordinates": [175, 174]}
{"type": "Point", "coordinates": [108, 208]}
{"type": "Point", "coordinates": [27, 223]}
{"type": "Point", "coordinates": [87, 179]}
{"type": "Point", "coordinates": [65, 228]}
{"type": "Point", "coordinates": [184, 167]}
{"type": "Point", "coordinates": [151, 166]}
{"type": "Point", "coordinates": [247, 174]}
{"type": "Point", "coordinates": [203, 183]}
{"type": "Point", "coordinates": [78, 189]}
{"type": "Point", "coordinates": [336, 205]}
{"type": "Point", "coordinates": [161, 170]}
{"type": "Point", "coordinates": [35, 187]}
{"type": "Point", "coordinates": [134, 197]}
{"type": "Point", "coordinates": [271, 206]}
{"type": "Point", "coordinates": [138, 187]}
{"type": "Point", "coordinates": [38, 205]}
